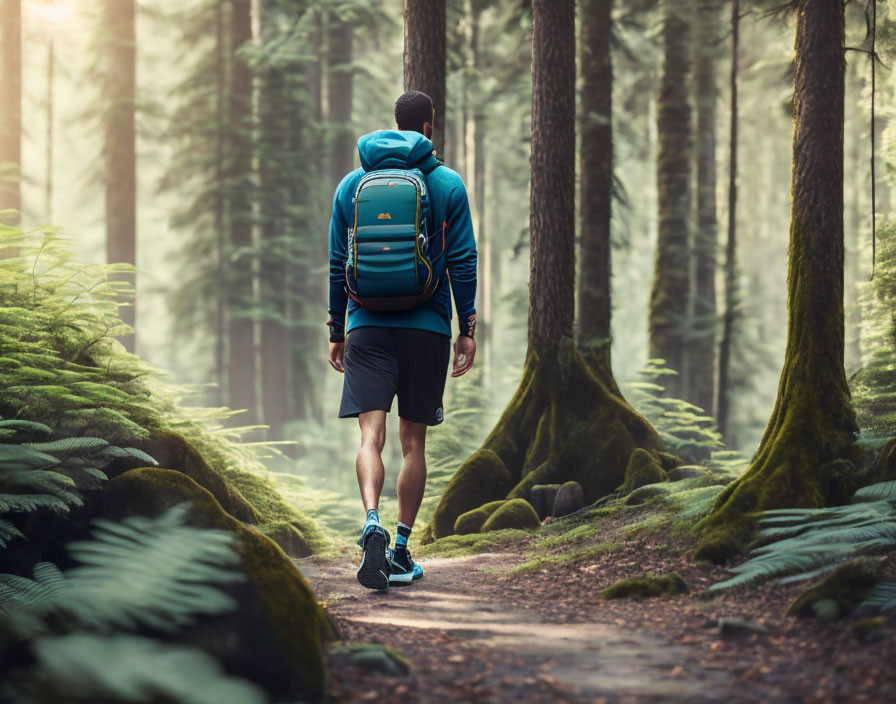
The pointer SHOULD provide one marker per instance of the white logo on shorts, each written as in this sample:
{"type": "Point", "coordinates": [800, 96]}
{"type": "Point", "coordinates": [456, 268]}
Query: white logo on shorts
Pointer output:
{"type": "Point", "coordinates": [439, 415]}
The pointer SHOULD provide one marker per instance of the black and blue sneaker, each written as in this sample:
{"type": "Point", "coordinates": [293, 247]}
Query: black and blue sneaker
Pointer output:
{"type": "Point", "coordinates": [374, 570]}
{"type": "Point", "coordinates": [402, 569]}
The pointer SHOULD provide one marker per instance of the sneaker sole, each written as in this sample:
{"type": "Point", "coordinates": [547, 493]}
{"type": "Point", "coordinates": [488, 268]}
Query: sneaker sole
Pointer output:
{"type": "Point", "coordinates": [372, 573]}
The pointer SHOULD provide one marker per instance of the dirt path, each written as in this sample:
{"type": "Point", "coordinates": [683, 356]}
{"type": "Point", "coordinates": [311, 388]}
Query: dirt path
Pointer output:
{"type": "Point", "coordinates": [468, 640]}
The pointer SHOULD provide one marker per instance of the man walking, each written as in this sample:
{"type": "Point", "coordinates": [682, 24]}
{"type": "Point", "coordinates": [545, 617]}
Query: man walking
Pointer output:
{"type": "Point", "coordinates": [389, 349]}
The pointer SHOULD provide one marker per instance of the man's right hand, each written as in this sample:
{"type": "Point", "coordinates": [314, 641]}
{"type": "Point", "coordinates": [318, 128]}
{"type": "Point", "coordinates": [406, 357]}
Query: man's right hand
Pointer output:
{"type": "Point", "coordinates": [337, 355]}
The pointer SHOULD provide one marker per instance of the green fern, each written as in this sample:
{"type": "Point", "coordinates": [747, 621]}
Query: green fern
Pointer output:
{"type": "Point", "coordinates": [153, 572]}
{"type": "Point", "coordinates": [804, 543]}
{"type": "Point", "coordinates": [126, 668]}
{"type": "Point", "coordinates": [687, 431]}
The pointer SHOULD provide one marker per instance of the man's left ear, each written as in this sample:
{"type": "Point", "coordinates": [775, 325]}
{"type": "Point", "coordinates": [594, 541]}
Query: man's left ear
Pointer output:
{"type": "Point", "coordinates": [427, 130]}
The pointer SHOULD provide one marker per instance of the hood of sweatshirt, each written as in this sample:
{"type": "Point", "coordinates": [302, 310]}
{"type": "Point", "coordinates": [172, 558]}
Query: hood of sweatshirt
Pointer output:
{"type": "Point", "coordinates": [396, 149]}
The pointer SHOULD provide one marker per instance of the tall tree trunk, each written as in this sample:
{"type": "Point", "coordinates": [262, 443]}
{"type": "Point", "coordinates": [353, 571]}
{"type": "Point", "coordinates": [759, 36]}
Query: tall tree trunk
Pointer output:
{"type": "Point", "coordinates": [670, 297]}
{"type": "Point", "coordinates": [723, 402]}
{"type": "Point", "coordinates": [273, 253]}
{"type": "Point", "coordinates": [340, 73]}
{"type": "Point", "coordinates": [564, 422]}
{"type": "Point", "coordinates": [11, 114]}
{"type": "Point", "coordinates": [596, 173]}
{"type": "Point", "coordinates": [241, 364]}
{"type": "Point", "coordinates": [702, 352]}
{"type": "Point", "coordinates": [805, 456]}
{"type": "Point", "coordinates": [220, 210]}
{"type": "Point", "coordinates": [424, 57]}
{"type": "Point", "coordinates": [119, 152]}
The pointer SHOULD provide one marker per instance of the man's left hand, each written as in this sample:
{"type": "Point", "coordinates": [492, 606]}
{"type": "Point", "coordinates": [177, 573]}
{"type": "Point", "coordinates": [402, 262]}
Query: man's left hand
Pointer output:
{"type": "Point", "coordinates": [464, 352]}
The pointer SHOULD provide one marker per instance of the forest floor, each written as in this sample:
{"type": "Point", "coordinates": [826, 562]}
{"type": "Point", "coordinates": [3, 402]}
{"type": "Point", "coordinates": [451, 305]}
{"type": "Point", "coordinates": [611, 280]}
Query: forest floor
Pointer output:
{"type": "Point", "coordinates": [479, 628]}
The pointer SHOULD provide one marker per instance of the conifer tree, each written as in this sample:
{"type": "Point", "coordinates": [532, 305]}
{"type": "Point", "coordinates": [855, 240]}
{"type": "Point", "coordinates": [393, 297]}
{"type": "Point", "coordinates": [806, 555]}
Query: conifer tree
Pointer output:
{"type": "Point", "coordinates": [564, 422]}
{"type": "Point", "coordinates": [424, 58]}
{"type": "Point", "coordinates": [120, 141]}
{"type": "Point", "coordinates": [11, 114]}
{"type": "Point", "coordinates": [701, 354]}
{"type": "Point", "coordinates": [805, 458]}
{"type": "Point", "coordinates": [670, 297]}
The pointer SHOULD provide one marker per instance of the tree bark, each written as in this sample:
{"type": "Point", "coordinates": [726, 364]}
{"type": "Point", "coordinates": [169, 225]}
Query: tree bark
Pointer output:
{"type": "Point", "coordinates": [564, 422]}
{"type": "Point", "coordinates": [669, 300]}
{"type": "Point", "coordinates": [596, 173]}
{"type": "Point", "coordinates": [273, 254]}
{"type": "Point", "coordinates": [702, 353]}
{"type": "Point", "coordinates": [805, 458]}
{"type": "Point", "coordinates": [119, 152]}
{"type": "Point", "coordinates": [339, 94]}
{"type": "Point", "coordinates": [241, 371]}
{"type": "Point", "coordinates": [11, 114]}
{"type": "Point", "coordinates": [424, 58]}
{"type": "Point", "coordinates": [723, 403]}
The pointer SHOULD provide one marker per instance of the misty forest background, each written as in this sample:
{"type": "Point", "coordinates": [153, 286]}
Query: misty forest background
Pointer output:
{"type": "Point", "coordinates": [202, 141]}
{"type": "Point", "coordinates": [663, 352]}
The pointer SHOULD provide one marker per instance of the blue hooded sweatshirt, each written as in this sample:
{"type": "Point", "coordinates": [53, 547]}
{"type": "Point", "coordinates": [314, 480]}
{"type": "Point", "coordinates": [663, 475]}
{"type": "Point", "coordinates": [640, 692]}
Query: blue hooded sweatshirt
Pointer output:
{"type": "Point", "coordinates": [389, 149]}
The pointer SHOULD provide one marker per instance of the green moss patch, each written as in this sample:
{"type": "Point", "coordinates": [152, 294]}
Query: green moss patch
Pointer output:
{"type": "Point", "coordinates": [643, 469]}
{"type": "Point", "coordinates": [482, 477]}
{"type": "Point", "coordinates": [173, 451]}
{"type": "Point", "coordinates": [571, 557]}
{"type": "Point", "coordinates": [270, 506]}
{"type": "Point", "coordinates": [516, 513]}
{"type": "Point", "coordinates": [463, 545]}
{"type": "Point", "coordinates": [837, 594]}
{"type": "Point", "coordinates": [646, 587]}
{"type": "Point", "coordinates": [472, 521]}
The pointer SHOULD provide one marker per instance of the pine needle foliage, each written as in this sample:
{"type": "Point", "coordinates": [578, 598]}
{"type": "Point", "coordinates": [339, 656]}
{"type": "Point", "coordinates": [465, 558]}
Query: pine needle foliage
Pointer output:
{"type": "Point", "coordinates": [799, 544]}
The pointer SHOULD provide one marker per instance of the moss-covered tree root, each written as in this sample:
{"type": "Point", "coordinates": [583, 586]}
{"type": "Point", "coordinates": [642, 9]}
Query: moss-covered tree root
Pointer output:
{"type": "Point", "coordinates": [564, 423]}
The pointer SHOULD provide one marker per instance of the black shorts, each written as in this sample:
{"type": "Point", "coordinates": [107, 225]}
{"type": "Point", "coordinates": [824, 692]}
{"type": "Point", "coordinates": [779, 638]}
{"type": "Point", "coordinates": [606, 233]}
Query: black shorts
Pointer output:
{"type": "Point", "coordinates": [382, 362]}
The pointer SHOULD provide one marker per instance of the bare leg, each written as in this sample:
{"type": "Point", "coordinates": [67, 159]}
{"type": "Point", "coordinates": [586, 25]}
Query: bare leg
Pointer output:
{"type": "Point", "coordinates": [412, 479]}
{"type": "Point", "coordinates": [369, 464]}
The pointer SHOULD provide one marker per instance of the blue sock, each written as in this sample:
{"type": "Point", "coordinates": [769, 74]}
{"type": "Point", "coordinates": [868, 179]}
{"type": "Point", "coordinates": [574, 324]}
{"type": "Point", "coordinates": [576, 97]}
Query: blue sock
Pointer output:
{"type": "Point", "coordinates": [373, 516]}
{"type": "Point", "coordinates": [401, 538]}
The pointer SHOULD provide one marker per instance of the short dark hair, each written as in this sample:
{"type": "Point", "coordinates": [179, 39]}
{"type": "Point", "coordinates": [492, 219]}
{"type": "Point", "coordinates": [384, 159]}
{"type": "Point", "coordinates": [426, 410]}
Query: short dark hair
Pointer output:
{"type": "Point", "coordinates": [412, 109]}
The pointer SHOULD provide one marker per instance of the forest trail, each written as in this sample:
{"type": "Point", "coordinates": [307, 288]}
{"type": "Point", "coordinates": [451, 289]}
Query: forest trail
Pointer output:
{"type": "Point", "coordinates": [468, 639]}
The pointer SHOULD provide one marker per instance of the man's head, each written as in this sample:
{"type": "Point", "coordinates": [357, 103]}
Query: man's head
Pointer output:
{"type": "Point", "coordinates": [414, 111]}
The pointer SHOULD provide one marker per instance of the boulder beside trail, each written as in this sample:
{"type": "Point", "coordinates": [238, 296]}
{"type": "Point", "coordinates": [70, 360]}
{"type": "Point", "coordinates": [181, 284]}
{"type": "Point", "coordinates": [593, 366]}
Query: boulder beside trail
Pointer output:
{"type": "Point", "coordinates": [569, 499]}
{"type": "Point", "coordinates": [276, 636]}
{"type": "Point", "coordinates": [542, 498]}
{"type": "Point", "coordinates": [515, 513]}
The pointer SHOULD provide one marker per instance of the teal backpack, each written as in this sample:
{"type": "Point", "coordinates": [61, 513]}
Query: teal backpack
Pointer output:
{"type": "Point", "coordinates": [395, 257]}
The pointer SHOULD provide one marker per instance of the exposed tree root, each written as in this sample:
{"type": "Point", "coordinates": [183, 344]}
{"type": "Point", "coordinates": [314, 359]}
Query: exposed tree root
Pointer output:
{"type": "Point", "coordinates": [564, 423]}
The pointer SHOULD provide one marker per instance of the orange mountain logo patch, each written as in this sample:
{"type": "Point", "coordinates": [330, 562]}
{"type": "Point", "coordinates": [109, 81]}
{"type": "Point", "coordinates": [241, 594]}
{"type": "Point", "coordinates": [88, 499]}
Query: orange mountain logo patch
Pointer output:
{"type": "Point", "coordinates": [384, 216]}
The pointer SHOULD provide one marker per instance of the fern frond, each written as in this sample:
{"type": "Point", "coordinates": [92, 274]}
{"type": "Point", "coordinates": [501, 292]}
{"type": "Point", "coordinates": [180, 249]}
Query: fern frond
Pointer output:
{"type": "Point", "coordinates": [67, 447]}
{"type": "Point", "coordinates": [876, 492]}
{"type": "Point", "coordinates": [155, 572]}
{"type": "Point", "coordinates": [883, 595]}
{"type": "Point", "coordinates": [126, 668]}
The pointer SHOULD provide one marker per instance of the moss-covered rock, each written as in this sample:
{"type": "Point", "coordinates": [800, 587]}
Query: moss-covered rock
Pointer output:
{"type": "Point", "coordinates": [647, 586]}
{"type": "Point", "coordinates": [173, 451]}
{"type": "Point", "coordinates": [642, 469]}
{"type": "Point", "coordinates": [542, 499]}
{"type": "Point", "coordinates": [285, 534]}
{"type": "Point", "coordinates": [276, 636]}
{"type": "Point", "coordinates": [271, 507]}
{"type": "Point", "coordinates": [884, 469]}
{"type": "Point", "coordinates": [516, 513]}
{"type": "Point", "coordinates": [483, 477]}
{"type": "Point", "coordinates": [644, 494]}
{"type": "Point", "coordinates": [570, 498]}
{"type": "Point", "coordinates": [472, 521]}
{"type": "Point", "coordinates": [837, 594]}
